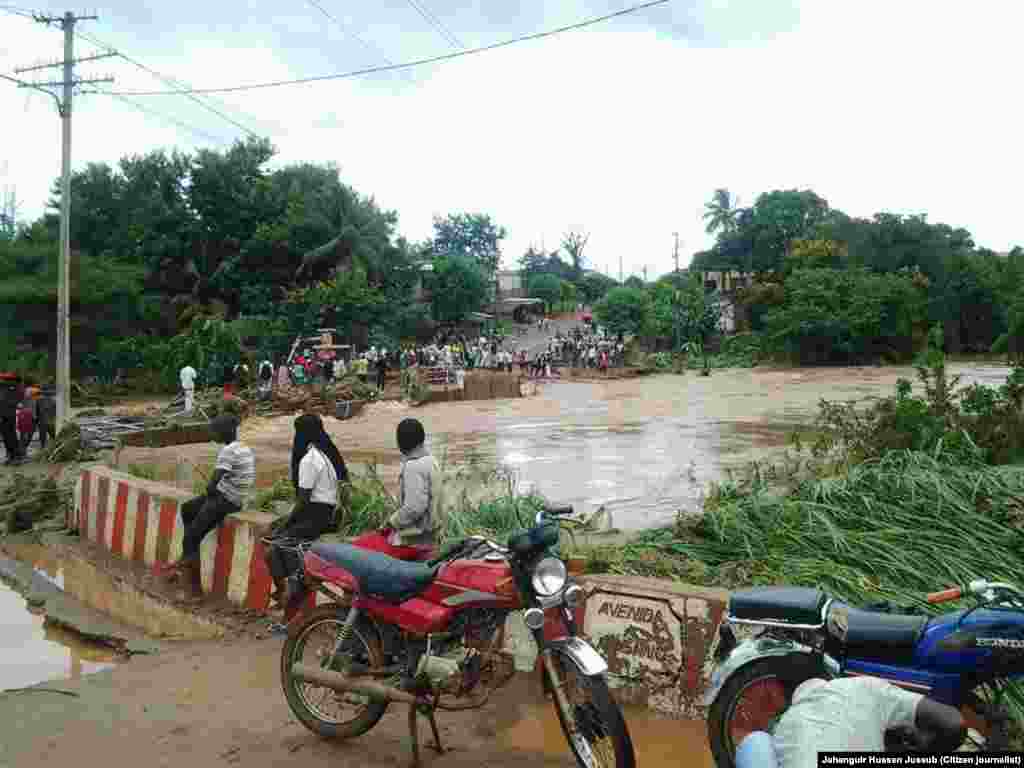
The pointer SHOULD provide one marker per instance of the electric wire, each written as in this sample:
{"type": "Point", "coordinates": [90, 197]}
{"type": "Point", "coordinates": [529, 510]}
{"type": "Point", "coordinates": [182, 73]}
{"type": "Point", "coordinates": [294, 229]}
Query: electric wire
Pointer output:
{"type": "Point", "coordinates": [344, 28]}
{"type": "Point", "coordinates": [395, 67]}
{"type": "Point", "coordinates": [433, 21]}
{"type": "Point", "coordinates": [163, 78]}
{"type": "Point", "coordinates": [168, 118]}
{"type": "Point", "coordinates": [171, 82]}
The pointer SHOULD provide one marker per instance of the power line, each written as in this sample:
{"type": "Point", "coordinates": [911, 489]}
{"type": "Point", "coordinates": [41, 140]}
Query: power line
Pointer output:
{"type": "Point", "coordinates": [174, 84]}
{"type": "Point", "coordinates": [163, 78]}
{"type": "Point", "coordinates": [170, 119]}
{"type": "Point", "coordinates": [344, 28]}
{"type": "Point", "coordinates": [433, 21]}
{"type": "Point", "coordinates": [392, 68]}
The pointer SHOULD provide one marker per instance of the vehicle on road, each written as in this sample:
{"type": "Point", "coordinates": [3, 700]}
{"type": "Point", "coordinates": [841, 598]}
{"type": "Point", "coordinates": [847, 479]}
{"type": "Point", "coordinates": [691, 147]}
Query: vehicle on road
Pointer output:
{"type": "Point", "coordinates": [430, 635]}
{"type": "Point", "coordinates": [964, 658]}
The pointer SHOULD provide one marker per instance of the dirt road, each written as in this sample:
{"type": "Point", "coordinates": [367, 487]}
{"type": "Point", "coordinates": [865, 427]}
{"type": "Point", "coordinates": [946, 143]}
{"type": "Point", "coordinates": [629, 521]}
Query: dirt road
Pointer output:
{"type": "Point", "coordinates": [210, 705]}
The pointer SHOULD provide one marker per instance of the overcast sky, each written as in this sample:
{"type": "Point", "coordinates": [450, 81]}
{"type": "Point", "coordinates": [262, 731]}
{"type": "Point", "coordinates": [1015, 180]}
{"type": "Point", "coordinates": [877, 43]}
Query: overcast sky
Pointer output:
{"type": "Point", "coordinates": [622, 129]}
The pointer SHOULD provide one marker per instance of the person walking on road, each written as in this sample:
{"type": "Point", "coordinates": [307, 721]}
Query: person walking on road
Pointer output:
{"type": "Point", "coordinates": [188, 386]}
{"type": "Point", "coordinates": [233, 478]}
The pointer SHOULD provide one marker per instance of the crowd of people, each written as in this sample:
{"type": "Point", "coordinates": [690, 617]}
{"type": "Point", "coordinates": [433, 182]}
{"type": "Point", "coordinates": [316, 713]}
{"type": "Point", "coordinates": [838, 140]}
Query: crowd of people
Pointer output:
{"type": "Point", "coordinates": [583, 347]}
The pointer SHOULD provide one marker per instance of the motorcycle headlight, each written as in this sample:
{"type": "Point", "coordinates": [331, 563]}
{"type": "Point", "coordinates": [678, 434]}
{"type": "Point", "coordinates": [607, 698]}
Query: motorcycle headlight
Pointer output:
{"type": "Point", "coordinates": [549, 577]}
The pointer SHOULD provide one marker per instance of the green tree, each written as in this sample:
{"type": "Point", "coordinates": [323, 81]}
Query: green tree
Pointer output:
{"type": "Point", "coordinates": [595, 286]}
{"type": "Point", "coordinates": [573, 244]}
{"type": "Point", "coordinates": [842, 316]}
{"type": "Point", "coordinates": [623, 310]}
{"type": "Point", "coordinates": [459, 286]}
{"type": "Point", "coordinates": [697, 313]}
{"type": "Point", "coordinates": [634, 282]}
{"type": "Point", "coordinates": [473, 235]}
{"type": "Point", "coordinates": [720, 212]}
{"type": "Point", "coordinates": [779, 218]}
{"type": "Point", "coordinates": [547, 287]}
{"type": "Point", "coordinates": [568, 291]}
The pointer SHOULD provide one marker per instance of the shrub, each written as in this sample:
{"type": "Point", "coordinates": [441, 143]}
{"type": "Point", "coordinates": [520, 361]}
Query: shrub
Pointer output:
{"type": "Point", "coordinates": [979, 420]}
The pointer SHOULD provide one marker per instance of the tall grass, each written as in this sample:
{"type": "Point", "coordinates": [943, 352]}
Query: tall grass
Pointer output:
{"type": "Point", "coordinates": [892, 528]}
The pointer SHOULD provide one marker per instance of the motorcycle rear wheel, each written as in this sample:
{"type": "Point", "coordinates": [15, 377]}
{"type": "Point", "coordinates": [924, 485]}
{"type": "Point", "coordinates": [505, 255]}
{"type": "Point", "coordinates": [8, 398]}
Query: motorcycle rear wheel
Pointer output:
{"type": "Point", "coordinates": [364, 646]}
{"type": "Point", "coordinates": [601, 739]}
{"type": "Point", "coordinates": [775, 678]}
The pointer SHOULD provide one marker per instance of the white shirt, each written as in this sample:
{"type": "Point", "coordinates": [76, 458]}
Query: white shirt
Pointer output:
{"type": "Point", "coordinates": [317, 472]}
{"type": "Point", "coordinates": [845, 715]}
{"type": "Point", "coordinates": [188, 377]}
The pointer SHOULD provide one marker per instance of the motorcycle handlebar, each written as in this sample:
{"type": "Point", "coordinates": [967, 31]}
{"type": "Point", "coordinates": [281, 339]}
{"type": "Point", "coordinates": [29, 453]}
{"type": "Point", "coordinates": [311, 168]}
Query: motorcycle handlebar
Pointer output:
{"type": "Point", "coordinates": [564, 509]}
{"type": "Point", "coordinates": [945, 595]}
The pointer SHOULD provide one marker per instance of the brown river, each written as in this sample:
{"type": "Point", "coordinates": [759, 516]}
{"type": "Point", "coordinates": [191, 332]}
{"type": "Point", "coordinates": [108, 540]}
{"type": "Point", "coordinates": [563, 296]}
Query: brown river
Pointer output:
{"type": "Point", "coordinates": [644, 448]}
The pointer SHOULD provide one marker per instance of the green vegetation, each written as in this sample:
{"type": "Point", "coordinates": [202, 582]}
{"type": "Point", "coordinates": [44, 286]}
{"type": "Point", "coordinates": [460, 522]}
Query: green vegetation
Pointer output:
{"type": "Point", "coordinates": [828, 288]}
{"type": "Point", "coordinates": [26, 500]}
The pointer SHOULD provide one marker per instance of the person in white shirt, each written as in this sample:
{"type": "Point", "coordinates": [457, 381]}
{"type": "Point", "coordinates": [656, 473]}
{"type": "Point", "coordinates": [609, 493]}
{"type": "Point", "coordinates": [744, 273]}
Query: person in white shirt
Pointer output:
{"type": "Point", "coordinates": [849, 715]}
{"type": "Point", "coordinates": [188, 384]}
{"type": "Point", "coordinates": [233, 476]}
{"type": "Point", "coordinates": [317, 470]}
{"type": "Point", "coordinates": [339, 367]}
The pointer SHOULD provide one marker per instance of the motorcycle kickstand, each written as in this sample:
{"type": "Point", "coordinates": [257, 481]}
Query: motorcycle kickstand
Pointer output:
{"type": "Point", "coordinates": [427, 710]}
{"type": "Point", "coordinates": [431, 712]}
{"type": "Point", "coordinates": [414, 736]}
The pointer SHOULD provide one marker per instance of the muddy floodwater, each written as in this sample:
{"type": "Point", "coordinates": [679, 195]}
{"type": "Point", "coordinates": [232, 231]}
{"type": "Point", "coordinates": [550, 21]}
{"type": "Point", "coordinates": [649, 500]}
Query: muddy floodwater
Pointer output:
{"type": "Point", "coordinates": [643, 448]}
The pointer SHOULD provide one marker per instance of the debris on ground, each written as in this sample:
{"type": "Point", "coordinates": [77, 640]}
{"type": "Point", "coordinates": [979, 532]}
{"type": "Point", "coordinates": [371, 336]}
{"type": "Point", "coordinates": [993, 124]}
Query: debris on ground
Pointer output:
{"type": "Point", "coordinates": [68, 445]}
{"type": "Point", "coordinates": [27, 500]}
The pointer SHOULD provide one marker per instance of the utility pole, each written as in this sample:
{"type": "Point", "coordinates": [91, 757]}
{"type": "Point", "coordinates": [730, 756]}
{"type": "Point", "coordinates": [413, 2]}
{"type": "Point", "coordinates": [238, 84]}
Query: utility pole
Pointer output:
{"type": "Point", "coordinates": [645, 273]}
{"type": "Point", "coordinates": [67, 23]}
{"type": "Point", "coordinates": [620, 268]}
{"type": "Point", "coordinates": [675, 253]}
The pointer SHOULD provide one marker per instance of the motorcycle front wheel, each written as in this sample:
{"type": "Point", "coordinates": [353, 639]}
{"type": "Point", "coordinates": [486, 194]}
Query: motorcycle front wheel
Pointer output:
{"type": "Point", "coordinates": [752, 698]}
{"type": "Point", "coordinates": [594, 726]}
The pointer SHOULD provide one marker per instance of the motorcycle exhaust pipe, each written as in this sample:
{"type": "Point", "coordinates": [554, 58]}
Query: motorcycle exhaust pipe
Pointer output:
{"type": "Point", "coordinates": [339, 682]}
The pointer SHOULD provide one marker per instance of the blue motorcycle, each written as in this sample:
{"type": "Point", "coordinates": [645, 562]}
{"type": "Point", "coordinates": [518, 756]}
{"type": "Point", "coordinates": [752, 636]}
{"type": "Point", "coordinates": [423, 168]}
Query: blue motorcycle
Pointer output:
{"type": "Point", "coordinates": [963, 658]}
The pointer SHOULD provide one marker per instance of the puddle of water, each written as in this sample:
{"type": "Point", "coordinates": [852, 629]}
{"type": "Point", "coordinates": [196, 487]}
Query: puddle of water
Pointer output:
{"type": "Point", "coordinates": [33, 651]}
{"type": "Point", "coordinates": [529, 723]}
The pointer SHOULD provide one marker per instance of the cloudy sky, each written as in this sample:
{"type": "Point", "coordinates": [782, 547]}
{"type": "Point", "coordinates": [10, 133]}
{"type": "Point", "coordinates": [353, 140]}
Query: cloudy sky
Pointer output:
{"type": "Point", "coordinates": [622, 129]}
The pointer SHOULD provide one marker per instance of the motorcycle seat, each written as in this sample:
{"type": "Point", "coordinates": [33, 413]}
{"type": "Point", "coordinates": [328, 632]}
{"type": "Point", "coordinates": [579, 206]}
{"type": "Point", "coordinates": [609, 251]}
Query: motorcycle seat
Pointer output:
{"type": "Point", "coordinates": [784, 605]}
{"type": "Point", "coordinates": [877, 636]}
{"type": "Point", "coordinates": [379, 576]}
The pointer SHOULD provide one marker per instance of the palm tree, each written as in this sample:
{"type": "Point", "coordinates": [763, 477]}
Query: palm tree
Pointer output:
{"type": "Point", "coordinates": [720, 212]}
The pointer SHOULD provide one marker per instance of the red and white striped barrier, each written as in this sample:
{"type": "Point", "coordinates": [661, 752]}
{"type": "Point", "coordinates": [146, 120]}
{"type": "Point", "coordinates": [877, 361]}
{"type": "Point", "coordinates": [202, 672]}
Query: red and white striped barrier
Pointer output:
{"type": "Point", "coordinates": [140, 520]}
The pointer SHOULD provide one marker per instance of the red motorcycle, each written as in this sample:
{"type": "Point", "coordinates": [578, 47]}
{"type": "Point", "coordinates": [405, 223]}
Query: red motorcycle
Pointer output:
{"type": "Point", "coordinates": [430, 635]}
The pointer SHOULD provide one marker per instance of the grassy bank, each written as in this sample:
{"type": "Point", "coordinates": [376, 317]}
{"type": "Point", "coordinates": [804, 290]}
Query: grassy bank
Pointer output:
{"type": "Point", "coordinates": [892, 528]}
